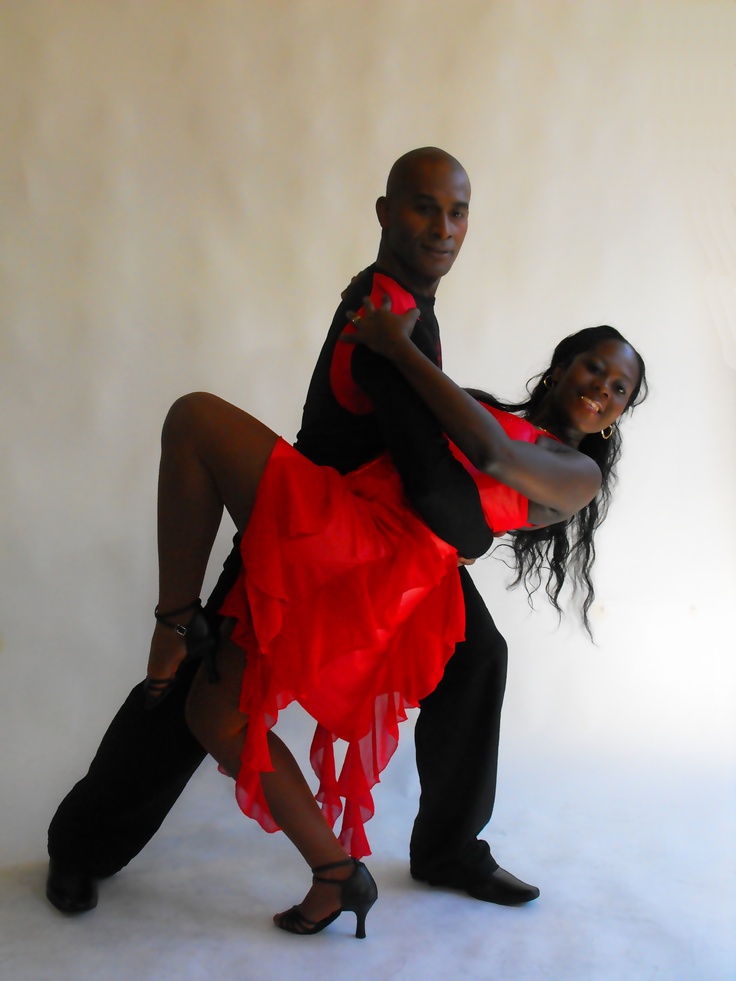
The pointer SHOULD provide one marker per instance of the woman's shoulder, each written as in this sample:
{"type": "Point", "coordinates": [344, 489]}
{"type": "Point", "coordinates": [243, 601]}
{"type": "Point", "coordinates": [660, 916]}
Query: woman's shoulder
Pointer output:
{"type": "Point", "coordinates": [516, 427]}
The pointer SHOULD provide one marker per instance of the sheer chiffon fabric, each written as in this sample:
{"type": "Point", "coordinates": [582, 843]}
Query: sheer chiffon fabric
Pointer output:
{"type": "Point", "coordinates": [348, 604]}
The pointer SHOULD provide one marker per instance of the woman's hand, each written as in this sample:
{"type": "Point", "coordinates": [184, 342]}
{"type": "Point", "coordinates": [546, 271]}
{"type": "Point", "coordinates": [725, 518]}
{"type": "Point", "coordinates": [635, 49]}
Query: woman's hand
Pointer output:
{"type": "Point", "coordinates": [382, 331]}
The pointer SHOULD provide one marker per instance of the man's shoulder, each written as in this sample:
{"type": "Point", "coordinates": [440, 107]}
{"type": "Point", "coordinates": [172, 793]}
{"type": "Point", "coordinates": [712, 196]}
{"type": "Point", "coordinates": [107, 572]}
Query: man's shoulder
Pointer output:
{"type": "Point", "coordinates": [360, 285]}
{"type": "Point", "coordinates": [384, 285]}
{"type": "Point", "coordinates": [377, 283]}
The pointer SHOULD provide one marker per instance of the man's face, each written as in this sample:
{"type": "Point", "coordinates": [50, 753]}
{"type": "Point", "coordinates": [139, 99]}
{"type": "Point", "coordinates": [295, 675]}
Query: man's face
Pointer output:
{"type": "Point", "coordinates": [424, 222]}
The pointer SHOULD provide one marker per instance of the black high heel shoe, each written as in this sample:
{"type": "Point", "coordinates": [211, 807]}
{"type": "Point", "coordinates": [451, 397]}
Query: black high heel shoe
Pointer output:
{"type": "Point", "coordinates": [357, 894]}
{"type": "Point", "coordinates": [199, 642]}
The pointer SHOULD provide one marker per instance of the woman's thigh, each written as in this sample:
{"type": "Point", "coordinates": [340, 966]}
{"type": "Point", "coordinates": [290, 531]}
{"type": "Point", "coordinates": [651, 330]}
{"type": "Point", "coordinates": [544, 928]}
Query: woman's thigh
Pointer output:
{"type": "Point", "coordinates": [233, 446]}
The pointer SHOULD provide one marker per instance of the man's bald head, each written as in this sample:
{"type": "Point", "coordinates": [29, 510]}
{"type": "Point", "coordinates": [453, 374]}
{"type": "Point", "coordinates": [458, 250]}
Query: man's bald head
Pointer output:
{"type": "Point", "coordinates": [423, 218]}
{"type": "Point", "coordinates": [404, 173]}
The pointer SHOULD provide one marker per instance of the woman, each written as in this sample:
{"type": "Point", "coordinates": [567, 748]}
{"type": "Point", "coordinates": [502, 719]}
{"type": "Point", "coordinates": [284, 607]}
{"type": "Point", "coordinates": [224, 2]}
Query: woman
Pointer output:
{"type": "Point", "coordinates": [346, 601]}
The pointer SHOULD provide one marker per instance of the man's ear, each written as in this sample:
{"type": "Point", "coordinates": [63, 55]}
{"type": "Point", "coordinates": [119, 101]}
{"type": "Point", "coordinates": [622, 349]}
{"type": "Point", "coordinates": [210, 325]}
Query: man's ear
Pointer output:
{"type": "Point", "coordinates": [382, 211]}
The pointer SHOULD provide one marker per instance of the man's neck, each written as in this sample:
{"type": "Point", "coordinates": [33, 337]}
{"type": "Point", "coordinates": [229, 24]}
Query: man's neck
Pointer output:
{"type": "Point", "coordinates": [416, 285]}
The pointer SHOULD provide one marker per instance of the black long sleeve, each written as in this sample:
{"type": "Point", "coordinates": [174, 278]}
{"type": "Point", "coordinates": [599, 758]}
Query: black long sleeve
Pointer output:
{"type": "Point", "coordinates": [437, 485]}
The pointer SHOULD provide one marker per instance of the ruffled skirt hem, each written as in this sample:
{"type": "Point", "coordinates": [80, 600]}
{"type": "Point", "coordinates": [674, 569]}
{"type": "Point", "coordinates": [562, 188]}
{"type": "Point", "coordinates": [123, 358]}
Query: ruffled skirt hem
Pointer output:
{"type": "Point", "coordinates": [348, 604]}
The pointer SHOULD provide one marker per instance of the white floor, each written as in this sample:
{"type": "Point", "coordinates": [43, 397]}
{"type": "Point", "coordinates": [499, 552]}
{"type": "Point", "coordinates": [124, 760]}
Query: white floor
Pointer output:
{"type": "Point", "coordinates": [636, 869]}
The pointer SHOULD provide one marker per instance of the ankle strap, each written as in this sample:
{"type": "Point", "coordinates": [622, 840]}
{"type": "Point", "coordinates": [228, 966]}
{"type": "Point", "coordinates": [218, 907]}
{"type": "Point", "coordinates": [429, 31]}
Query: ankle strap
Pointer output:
{"type": "Point", "coordinates": [332, 865]}
{"type": "Point", "coordinates": [178, 627]}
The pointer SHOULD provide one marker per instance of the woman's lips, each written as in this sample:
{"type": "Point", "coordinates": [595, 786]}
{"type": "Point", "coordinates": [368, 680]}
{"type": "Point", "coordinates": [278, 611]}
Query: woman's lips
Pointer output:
{"type": "Point", "coordinates": [592, 404]}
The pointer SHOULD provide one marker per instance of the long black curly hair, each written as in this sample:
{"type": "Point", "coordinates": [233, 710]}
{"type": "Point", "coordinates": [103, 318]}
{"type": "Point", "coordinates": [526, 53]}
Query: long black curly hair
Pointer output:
{"type": "Point", "coordinates": [567, 549]}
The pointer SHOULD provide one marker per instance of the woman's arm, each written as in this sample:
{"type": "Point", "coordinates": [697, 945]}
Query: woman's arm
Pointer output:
{"type": "Point", "coordinates": [565, 481]}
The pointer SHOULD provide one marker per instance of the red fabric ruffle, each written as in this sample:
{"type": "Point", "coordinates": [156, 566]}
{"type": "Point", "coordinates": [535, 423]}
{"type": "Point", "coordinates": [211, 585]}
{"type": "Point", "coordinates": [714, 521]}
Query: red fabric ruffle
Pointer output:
{"type": "Point", "coordinates": [348, 604]}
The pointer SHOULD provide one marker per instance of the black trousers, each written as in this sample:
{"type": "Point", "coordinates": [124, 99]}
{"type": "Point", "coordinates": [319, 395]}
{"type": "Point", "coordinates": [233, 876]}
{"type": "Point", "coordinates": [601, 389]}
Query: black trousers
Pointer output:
{"type": "Point", "coordinates": [145, 760]}
{"type": "Point", "coordinates": [456, 737]}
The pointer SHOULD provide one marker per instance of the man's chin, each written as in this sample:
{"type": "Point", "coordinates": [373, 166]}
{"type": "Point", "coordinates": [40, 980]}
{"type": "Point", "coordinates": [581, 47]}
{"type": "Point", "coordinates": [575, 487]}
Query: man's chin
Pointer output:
{"type": "Point", "coordinates": [433, 269]}
{"type": "Point", "coordinates": [440, 265]}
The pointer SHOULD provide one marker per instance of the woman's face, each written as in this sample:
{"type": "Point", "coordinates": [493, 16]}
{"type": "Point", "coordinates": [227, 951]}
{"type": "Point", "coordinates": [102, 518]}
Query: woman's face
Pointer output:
{"type": "Point", "coordinates": [593, 390]}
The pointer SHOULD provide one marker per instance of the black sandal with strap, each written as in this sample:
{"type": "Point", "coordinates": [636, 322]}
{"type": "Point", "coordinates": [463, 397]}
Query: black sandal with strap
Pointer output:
{"type": "Point", "coordinates": [358, 893]}
{"type": "Point", "coordinates": [199, 642]}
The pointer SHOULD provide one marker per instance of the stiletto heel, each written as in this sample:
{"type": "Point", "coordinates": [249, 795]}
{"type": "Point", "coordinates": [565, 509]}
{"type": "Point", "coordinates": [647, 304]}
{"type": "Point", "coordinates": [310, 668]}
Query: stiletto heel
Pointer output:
{"type": "Point", "coordinates": [358, 893]}
{"type": "Point", "coordinates": [198, 641]}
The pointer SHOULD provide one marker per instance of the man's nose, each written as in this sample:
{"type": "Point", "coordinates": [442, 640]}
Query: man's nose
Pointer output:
{"type": "Point", "coordinates": [441, 226]}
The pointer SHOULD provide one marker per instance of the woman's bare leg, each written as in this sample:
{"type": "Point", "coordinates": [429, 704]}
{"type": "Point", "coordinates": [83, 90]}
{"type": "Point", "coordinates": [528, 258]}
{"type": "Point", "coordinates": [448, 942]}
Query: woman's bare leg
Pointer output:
{"type": "Point", "coordinates": [213, 716]}
{"type": "Point", "coordinates": [212, 455]}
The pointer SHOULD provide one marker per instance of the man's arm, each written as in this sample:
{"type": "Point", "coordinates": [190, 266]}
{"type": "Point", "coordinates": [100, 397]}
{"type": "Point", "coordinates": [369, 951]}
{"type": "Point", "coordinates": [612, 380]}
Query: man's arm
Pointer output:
{"type": "Point", "coordinates": [438, 486]}
{"type": "Point", "coordinates": [564, 480]}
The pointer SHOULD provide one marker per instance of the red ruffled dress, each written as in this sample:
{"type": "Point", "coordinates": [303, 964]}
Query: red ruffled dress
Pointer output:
{"type": "Point", "coordinates": [350, 605]}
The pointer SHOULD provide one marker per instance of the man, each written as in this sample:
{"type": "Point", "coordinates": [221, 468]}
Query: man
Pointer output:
{"type": "Point", "coordinates": [350, 415]}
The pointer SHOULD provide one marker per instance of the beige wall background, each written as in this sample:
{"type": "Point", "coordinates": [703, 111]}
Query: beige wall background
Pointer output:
{"type": "Point", "coordinates": [185, 188]}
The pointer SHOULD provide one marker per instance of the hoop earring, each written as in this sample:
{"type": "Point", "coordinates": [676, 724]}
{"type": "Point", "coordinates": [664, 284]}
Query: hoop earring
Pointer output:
{"type": "Point", "coordinates": [610, 433]}
{"type": "Point", "coordinates": [547, 383]}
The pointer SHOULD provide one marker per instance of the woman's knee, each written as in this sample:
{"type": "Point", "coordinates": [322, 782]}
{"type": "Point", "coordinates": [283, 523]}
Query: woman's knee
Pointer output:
{"type": "Point", "coordinates": [195, 711]}
{"type": "Point", "coordinates": [186, 413]}
{"type": "Point", "coordinates": [212, 710]}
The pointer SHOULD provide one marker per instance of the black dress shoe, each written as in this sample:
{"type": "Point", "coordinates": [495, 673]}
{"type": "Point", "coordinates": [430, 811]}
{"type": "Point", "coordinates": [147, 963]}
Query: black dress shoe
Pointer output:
{"type": "Point", "coordinates": [498, 886]}
{"type": "Point", "coordinates": [503, 888]}
{"type": "Point", "coordinates": [70, 890]}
